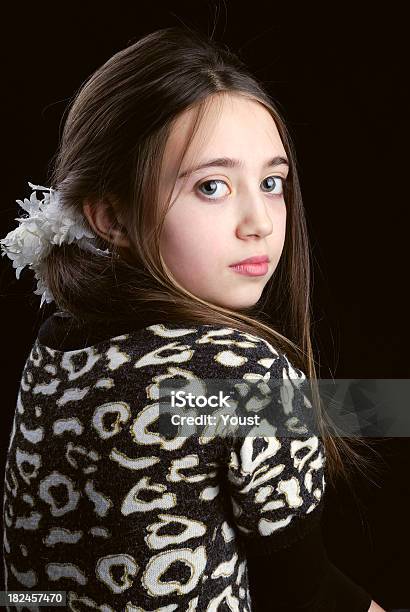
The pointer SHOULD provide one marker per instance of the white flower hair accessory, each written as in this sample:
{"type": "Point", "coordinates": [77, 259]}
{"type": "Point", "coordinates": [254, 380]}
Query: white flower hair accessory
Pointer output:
{"type": "Point", "coordinates": [48, 223]}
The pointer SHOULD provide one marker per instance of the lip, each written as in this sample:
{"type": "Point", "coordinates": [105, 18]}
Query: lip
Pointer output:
{"type": "Point", "coordinates": [253, 266]}
{"type": "Point", "coordinates": [258, 259]}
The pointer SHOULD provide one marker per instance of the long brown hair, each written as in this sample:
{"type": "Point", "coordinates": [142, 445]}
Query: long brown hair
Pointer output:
{"type": "Point", "coordinates": [112, 148]}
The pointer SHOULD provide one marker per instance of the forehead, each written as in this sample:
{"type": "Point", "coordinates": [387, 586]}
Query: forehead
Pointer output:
{"type": "Point", "coordinates": [232, 126]}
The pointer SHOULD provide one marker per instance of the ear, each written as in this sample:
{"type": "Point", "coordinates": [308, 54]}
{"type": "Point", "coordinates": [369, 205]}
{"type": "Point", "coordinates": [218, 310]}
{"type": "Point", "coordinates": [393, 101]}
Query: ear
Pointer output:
{"type": "Point", "coordinates": [102, 218]}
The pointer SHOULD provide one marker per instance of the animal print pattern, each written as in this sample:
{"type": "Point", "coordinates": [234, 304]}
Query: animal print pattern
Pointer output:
{"type": "Point", "coordinates": [99, 505]}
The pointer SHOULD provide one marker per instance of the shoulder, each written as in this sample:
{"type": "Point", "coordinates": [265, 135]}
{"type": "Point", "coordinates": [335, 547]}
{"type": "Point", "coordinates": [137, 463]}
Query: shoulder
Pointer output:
{"type": "Point", "coordinates": [228, 354]}
{"type": "Point", "coordinates": [222, 348]}
{"type": "Point", "coordinates": [249, 368]}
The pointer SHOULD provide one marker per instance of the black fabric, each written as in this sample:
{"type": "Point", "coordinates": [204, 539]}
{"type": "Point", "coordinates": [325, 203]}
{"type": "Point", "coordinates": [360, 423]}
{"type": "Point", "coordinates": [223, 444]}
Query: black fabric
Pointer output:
{"type": "Point", "coordinates": [63, 333]}
{"type": "Point", "coordinates": [320, 587]}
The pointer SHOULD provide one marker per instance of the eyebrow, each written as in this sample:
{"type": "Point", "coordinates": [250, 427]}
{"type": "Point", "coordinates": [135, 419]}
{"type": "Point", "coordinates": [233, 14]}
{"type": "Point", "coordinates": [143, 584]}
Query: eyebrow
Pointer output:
{"type": "Point", "coordinates": [228, 162]}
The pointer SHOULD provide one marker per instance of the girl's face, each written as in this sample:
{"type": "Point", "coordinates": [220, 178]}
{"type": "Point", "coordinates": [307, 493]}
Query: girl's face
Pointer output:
{"type": "Point", "coordinates": [225, 212]}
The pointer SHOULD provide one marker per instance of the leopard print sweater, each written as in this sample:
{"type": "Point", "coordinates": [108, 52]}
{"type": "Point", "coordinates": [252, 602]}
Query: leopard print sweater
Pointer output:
{"type": "Point", "coordinates": [100, 505]}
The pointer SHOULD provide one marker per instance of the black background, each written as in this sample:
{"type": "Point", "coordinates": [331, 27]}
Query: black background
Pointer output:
{"type": "Point", "coordinates": [338, 75]}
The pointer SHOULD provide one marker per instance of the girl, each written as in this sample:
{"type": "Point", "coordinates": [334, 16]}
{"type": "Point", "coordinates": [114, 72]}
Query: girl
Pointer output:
{"type": "Point", "coordinates": [173, 242]}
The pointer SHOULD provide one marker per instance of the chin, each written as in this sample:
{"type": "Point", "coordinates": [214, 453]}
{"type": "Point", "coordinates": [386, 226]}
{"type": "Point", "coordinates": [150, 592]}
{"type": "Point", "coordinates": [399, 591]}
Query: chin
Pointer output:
{"type": "Point", "coordinates": [239, 304]}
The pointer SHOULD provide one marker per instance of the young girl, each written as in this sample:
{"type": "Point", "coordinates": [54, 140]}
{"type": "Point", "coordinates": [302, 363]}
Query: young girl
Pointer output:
{"type": "Point", "coordinates": [173, 243]}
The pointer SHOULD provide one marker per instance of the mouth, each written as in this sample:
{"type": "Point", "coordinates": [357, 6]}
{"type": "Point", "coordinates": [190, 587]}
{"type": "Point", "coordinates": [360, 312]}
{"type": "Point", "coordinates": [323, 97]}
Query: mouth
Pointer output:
{"type": "Point", "coordinates": [252, 260]}
{"type": "Point", "coordinates": [253, 266]}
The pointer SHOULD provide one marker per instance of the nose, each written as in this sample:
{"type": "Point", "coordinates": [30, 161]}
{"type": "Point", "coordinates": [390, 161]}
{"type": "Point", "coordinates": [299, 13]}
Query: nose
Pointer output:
{"type": "Point", "coordinates": [255, 217]}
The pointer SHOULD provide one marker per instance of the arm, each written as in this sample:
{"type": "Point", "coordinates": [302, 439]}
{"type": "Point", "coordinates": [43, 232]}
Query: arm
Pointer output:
{"type": "Point", "coordinates": [277, 485]}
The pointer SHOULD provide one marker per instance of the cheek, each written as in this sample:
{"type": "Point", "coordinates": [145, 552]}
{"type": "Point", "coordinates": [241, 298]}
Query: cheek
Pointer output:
{"type": "Point", "coordinates": [277, 238]}
{"type": "Point", "coordinates": [189, 244]}
{"type": "Point", "coordinates": [280, 222]}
